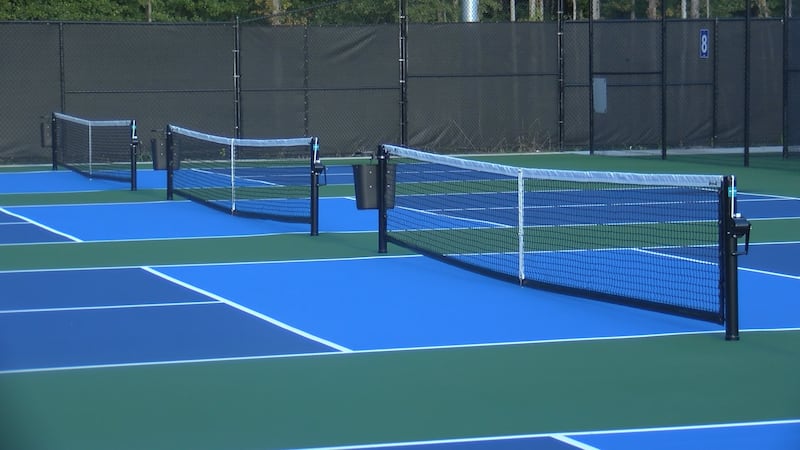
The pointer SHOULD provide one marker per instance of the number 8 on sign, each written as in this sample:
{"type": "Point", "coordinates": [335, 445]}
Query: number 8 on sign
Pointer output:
{"type": "Point", "coordinates": [704, 44]}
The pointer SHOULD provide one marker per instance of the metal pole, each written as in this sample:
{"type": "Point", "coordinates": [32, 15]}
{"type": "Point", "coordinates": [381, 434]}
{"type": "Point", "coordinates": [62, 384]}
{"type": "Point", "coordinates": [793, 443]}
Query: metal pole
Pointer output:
{"type": "Point", "coordinates": [785, 96]}
{"type": "Point", "coordinates": [714, 84]}
{"type": "Point", "coordinates": [170, 163]}
{"type": "Point", "coordinates": [730, 259]}
{"type": "Point", "coordinates": [306, 71]}
{"type": "Point", "coordinates": [382, 188]}
{"type": "Point", "coordinates": [62, 72]}
{"type": "Point", "coordinates": [237, 81]}
{"type": "Point", "coordinates": [403, 60]}
{"type": "Point", "coordinates": [54, 141]}
{"type": "Point", "coordinates": [664, 78]}
{"type": "Point", "coordinates": [747, 21]}
{"type": "Point", "coordinates": [732, 281]}
{"type": "Point", "coordinates": [314, 186]}
{"type": "Point", "coordinates": [133, 154]}
{"type": "Point", "coordinates": [561, 85]}
{"type": "Point", "coordinates": [469, 10]}
{"type": "Point", "coordinates": [591, 84]}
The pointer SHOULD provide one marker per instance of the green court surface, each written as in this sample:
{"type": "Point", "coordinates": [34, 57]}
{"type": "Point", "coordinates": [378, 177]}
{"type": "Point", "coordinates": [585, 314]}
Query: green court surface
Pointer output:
{"type": "Point", "coordinates": [409, 395]}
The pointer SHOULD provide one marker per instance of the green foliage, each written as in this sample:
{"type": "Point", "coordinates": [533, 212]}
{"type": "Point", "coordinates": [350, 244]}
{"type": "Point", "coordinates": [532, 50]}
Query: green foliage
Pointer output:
{"type": "Point", "coordinates": [67, 9]}
{"type": "Point", "coordinates": [126, 10]}
{"type": "Point", "coordinates": [206, 10]}
{"type": "Point", "coordinates": [346, 12]}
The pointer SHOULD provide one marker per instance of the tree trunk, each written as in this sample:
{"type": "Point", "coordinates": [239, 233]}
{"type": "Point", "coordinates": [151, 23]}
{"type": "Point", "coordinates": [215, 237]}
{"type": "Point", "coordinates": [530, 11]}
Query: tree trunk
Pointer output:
{"type": "Point", "coordinates": [536, 10]}
{"type": "Point", "coordinates": [276, 9]}
{"type": "Point", "coordinates": [652, 9]}
{"type": "Point", "coordinates": [763, 8]}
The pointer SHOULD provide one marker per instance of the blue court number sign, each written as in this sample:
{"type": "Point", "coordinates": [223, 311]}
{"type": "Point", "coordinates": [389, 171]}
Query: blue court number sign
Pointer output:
{"type": "Point", "coordinates": [704, 43]}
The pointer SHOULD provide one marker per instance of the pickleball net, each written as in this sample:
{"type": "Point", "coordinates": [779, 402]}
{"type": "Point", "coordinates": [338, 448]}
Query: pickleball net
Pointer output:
{"type": "Point", "coordinates": [275, 179]}
{"type": "Point", "coordinates": [647, 240]}
{"type": "Point", "coordinates": [95, 148]}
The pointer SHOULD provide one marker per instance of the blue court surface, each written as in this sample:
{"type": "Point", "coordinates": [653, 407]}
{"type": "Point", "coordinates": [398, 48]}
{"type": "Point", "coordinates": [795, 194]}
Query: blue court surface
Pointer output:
{"type": "Point", "coordinates": [121, 316]}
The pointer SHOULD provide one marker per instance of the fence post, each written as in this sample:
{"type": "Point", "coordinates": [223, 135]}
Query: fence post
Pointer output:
{"type": "Point", "coordinates": [403, 60]}
{"type": "Point", "coordinates": [306, 71]}
{"type": "Point", "coordinates": [747, 4]}
{"type": "Point", "coordinates": [663, 80]}
{"type": "Point", "coordinates": [561, 81]}
{"type": "Point", "coordinates": [591, 84]}
{"type": "Point", "coordinates": [237, 80]}
{"type": "Point", "coordinates": [785, 96]}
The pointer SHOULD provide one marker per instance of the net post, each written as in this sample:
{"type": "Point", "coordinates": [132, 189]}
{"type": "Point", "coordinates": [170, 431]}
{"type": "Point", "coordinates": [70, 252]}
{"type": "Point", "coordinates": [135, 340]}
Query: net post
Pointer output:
{"type": "Point", "coordinates": [521, 225]}
{"type": "Point", "coordinates": [232, 148]}
{"type": "Point", "coordinates": [134, 147]}
{"type": "Point", "coordinates": [730, 263]}
{"type": "Point", "coordinates": [383, 167]}
{"type": "Point", "coordinates": [54, 141]}
{"type": "Point", "coordinates": [316, 168]}
{"type": "Point", "coordinates": [89, 136]}
{"type": "Point", "coordinates": [170, 162]}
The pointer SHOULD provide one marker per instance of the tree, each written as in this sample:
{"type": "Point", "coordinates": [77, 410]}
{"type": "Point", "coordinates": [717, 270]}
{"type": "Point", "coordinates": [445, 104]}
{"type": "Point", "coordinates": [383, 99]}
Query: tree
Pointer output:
{"type": "Point", "coordinates": [694, 9]}
{"type": "Point", "coordinates": [536, 10]}
{"type": "Point", "coordinates": [763, 8]}
{"type": "Point", "coordinates": [344, 12]}
{"type": "Point", "coordinates": [652, 9]}
{"type": "Point", "coordinates": [69, 9]}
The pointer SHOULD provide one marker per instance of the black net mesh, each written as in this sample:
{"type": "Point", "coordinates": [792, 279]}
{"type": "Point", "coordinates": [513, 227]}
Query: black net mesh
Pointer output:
{"type": "Point", "coordinates": [95, 148]}
{"type": "Point", "coordinates": [267, 178]}
{"type": "Point", "coordinates": [647, 240]}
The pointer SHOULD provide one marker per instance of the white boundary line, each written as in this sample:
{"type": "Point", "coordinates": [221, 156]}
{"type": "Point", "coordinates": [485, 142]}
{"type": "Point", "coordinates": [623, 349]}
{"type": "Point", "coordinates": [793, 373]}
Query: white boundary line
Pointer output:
{"type": "Point", "coordinates": [766, 219]}
{"type": "Point", "coordinates": [247, 310]}
{"type": "Point", "coordinates": [40, 225]}
{"type": "Point", "coordinates": [175, 238]}
{"type": "Point", "coordinates": [163, 363]}
{"type": "Point", "coordinates": [145, 202]}
{"type": "Point", "coordinates": [78, 205]}
{"type": "Point", "coordinates": [102, 307]}
{"type": "Point", "coordinates": [181, 238]}
{"type": "Point", "coordinates": [392, 350]}
{"type": "Point", "coordinates": [562, 436]}
{"type": "Point", "coordinates": [709, 426]}
{"type": "Point", "coordinates": [775, 274]}
{"type": "Point", "coordinates": [757, 197]}
{"type": "Point", "coordinates": [572, 442]}
{"type": "Point", "coordinates": [231, 263]}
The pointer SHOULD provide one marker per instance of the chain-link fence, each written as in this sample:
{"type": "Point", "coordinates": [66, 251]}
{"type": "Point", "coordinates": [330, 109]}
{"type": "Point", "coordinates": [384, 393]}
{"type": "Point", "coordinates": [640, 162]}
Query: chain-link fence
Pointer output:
{"type": "Point", "coordinates": [451, 76]}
